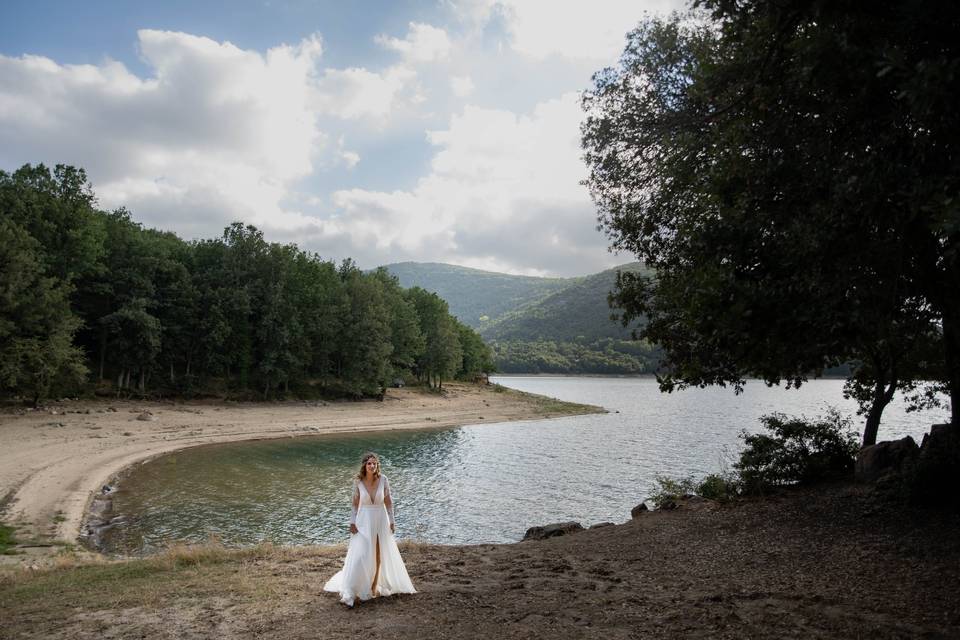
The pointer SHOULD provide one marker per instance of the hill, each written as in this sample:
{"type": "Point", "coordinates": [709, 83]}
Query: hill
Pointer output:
{"type": "Point", "coordinates": [475, 296]}
{"type": "Point", "coordinates": [538, 325]}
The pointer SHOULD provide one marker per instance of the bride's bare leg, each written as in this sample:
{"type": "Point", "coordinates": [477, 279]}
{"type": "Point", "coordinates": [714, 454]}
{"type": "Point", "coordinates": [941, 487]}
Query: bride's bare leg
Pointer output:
{"type": "Point", "coordinates": [376, 574]}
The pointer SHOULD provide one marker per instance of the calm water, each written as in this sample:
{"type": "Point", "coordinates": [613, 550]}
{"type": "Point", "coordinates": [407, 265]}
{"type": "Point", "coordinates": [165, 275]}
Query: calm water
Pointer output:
{"type": "Point", "coordinates": [479, 483]}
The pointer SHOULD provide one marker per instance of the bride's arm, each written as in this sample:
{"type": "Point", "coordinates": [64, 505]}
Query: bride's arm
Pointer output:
{"type": "Point", "coordinates": [356, 505]}
{"type": "Point", "coordinates": [388, 502]}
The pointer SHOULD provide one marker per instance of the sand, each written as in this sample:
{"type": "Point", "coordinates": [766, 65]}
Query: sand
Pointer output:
{"type": "Point", "coordinates": [52, 460]}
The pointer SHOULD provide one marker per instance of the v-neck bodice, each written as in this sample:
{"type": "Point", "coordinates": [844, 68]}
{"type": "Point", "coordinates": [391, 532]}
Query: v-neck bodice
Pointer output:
{"type": "Point", "coordinates": [377, 493]}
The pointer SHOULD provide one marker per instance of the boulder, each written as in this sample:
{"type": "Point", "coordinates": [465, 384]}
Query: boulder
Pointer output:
{"type": "Point", "coordinates": [146, 416]}
{"type": "Point", "coordinates": [937, 472]}
{"type": "Point", "coordinates": [552, 530]}
{"type": "Point", "coordinates": [884, 458]}
{"type": "Point", "coordinates": [600, 525]}
{"type": "Point", "coordinates": [639, 510]}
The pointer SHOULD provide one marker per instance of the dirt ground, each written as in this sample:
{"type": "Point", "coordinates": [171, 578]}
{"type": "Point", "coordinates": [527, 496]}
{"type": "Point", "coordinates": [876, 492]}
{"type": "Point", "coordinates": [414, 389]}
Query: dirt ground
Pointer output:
{"type": "Point", "coordinates": [827, 562]}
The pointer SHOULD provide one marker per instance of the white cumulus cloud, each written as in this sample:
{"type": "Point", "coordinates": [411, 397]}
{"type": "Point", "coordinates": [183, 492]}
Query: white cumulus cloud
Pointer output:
{"type": "Point", "coordinates": [423, 43]}
{"type": "Point", "coordinates": [217, 133]}
{"type": "Point", "coordinates": [503, 192]}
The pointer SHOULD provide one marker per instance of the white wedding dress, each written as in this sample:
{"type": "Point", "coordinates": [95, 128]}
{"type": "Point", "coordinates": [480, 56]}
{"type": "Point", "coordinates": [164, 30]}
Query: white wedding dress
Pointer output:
{"type": "Point", "coordinates": [367, 573]}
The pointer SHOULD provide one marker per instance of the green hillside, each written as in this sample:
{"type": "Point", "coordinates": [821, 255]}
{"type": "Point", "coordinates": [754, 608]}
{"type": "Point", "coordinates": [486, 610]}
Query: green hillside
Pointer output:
{"type": "Point", "coordinates": [538, 325]}
{"type": "Point", "coordinates": [577, 312]}
{"type": "Point", "coordinates": [475, 296]}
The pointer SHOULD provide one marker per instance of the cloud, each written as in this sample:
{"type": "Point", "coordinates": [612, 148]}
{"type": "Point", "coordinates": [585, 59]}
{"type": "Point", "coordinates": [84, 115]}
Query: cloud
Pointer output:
{"type": "Point", "coordinates": [579, 30]}
{"type": "Point", "coordinates": [216, 134]}
{"type": "Point", "coordinates": [423, 43]}
{"type": "Point", "coordinates": [503, 192]}
{"type": "Point", "coordinates": [357, 93]}
{"type": "Point", "coordinates": [461, 86]}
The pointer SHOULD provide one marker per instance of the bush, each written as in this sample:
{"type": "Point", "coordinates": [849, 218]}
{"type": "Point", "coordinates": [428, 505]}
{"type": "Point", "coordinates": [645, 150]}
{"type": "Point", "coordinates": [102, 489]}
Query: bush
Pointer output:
{"type": "Point", "coordinates": [721, 487]}
{"type": "Point", "coordinates": [672, 489]}
{"type": "Point", "coordinates": [797, 451]}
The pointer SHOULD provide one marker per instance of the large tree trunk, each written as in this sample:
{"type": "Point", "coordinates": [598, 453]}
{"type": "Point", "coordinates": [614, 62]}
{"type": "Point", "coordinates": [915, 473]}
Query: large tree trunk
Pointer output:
{"type": "Point", "coordinates": [951, 343]}
{"type": "Point", "coordinates": [882, 395]}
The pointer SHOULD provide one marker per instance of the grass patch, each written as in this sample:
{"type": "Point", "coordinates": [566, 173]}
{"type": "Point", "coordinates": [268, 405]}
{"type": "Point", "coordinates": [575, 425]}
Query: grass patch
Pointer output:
{"type": "Point", "coordinates": [7, 540]}
{"type": "Point", "coordinates": [258, 575]}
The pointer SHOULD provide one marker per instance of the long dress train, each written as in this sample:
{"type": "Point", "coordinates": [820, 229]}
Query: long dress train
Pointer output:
{"type": "Point", "coordinates": [373, 566]}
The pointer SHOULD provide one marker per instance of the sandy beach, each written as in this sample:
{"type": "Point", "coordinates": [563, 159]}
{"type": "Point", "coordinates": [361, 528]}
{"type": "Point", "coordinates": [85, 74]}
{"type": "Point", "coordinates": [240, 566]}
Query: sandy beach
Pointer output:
{"type": "Point", "coordinates": [52, 460]}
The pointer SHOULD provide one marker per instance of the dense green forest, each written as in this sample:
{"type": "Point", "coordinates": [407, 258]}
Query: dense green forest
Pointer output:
{"type": "Point", "coordinates": [92, 301]}
{"type": "Point", "coordinates": [551, 325]}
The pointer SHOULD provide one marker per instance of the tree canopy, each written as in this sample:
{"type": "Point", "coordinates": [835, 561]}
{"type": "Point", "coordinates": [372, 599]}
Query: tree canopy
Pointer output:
{"type": "Point", "coordinates": [791, 172]}
{"type": "Point", "coordinates": [90, 299]}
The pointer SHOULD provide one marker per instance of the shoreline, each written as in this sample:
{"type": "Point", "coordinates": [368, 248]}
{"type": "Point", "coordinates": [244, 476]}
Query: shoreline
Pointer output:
{"type": "Point", "coordinates": [56, 460]}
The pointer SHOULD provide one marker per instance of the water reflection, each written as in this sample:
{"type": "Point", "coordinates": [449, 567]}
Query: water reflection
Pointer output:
{"type": "Point", "coordinates": [484, 483]}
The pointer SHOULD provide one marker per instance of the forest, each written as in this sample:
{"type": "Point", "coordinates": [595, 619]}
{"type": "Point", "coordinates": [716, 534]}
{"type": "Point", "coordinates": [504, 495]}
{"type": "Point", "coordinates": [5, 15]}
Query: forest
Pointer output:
{"type": "Point", "coordinates": [93, 302]}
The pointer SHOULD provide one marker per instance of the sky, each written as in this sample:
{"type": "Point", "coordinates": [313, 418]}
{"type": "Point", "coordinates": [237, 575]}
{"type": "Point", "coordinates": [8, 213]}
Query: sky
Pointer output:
{"type": "Point", "coordinates": [432, 131]}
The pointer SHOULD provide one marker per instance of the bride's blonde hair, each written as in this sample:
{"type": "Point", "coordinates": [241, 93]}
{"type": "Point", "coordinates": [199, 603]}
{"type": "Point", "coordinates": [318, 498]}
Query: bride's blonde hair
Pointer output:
{"type": "Point", "coordinates": [363, 466]}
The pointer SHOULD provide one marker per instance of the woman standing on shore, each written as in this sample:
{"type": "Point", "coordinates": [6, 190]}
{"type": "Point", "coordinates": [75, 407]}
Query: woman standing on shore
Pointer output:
{"type": "Point", "coordinates": [373, 566]}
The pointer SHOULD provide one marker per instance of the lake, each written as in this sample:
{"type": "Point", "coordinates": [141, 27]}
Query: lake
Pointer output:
{"type": "Point", "coordinates": [472, 484]}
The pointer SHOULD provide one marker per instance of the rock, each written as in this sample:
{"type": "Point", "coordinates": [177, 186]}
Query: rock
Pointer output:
{"type": "Point", "coordinates": [600, 525]}
{"type": "Point", "coordinates": [639, 510]}
{"type": "Point", "coordinates": [552, 530]}
{"type": "Point", "coordinates": [667, 505]}
{"type": "Point", "coordinates": [146, 416]}
{"type": "Point", "coordinates": [936, 474]}
{"type": "Point", "coordinates": [884, 458]}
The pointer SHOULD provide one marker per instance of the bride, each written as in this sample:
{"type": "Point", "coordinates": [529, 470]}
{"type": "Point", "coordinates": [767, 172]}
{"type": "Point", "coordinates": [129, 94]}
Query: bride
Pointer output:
{"type": "Point", "coordinates": [373, 566]}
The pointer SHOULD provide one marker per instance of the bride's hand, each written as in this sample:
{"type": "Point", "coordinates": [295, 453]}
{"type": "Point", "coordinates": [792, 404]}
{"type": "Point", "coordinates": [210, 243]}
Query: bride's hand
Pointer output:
{"type": "Point", "coordinates": [393, 529]}
{"type": "Point", "coordinates": [353, 528]}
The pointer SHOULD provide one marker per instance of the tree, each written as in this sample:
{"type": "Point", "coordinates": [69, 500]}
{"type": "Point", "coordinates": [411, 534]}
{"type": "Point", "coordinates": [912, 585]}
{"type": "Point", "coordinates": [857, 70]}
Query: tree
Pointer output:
{"type": "Point", "coordinates": [57, 210]}
{"type": "Point", "coordinates": [365, 344]}
{"type": "Point", "coordinates": [791, 172]}
{"type": "Point", "coordinates": [442, 355]}
{"type": "Point", "coordinates": [405, 335]}
{"type": "Point", "coordinates": [36, 325]}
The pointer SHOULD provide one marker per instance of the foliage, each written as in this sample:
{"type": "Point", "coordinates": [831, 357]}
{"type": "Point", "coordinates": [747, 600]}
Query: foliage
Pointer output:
{"type": "Point", "coordinates": [790, 171]}
{"type": "Point", "coordinates": [797, 451]}
{"type": "Point", "coordinates": [672, 489]}
{"type": "Point", "coordinates": [618, 357]}
{"type": "Point", "coordinates": [83, 290]}
{"type": "Point", "coordinates": [576, 313]}
{"type": "Point", "coordinates": [538, 325]}
{"type": "Point", "coordinates": [36, 324]}
{"type": "Point", "coordinates": [720, 487]}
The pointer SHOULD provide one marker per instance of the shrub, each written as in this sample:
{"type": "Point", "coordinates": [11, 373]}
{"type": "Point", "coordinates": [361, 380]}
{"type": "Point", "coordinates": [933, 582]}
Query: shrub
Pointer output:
{"type": "Point", "coordinates": [671, 489]}
{"type": "Point", "coordinates": [797, 451]}
{"type": "Point", "coordinates": [721, 487]}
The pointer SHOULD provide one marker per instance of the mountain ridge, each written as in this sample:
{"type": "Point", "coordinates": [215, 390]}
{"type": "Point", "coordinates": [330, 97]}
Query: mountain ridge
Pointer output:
{"type": "Point", "coordinates": [538, 325]}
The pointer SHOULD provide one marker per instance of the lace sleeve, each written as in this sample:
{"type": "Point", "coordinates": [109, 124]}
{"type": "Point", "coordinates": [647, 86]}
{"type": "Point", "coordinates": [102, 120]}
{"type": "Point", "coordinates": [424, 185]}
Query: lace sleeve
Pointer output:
{"type": "Point", "coordinates": [388, 499]}
{"type": "Point", "coordinates": [355, 502]}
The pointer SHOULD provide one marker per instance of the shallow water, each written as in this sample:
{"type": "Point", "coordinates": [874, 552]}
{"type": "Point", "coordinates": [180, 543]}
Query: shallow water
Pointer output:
{"type": "Point", "coordinates": [472, 484]}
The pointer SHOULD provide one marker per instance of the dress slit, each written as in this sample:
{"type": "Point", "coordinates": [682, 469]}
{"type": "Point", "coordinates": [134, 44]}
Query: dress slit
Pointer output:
{"type": "Point", "coordinates": [376, 573]}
